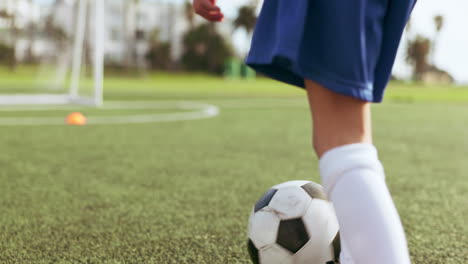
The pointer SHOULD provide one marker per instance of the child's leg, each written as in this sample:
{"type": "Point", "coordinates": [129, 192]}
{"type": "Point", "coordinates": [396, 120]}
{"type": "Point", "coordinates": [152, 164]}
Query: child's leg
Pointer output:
{"type": "Point", "coordinates": [354, 179]}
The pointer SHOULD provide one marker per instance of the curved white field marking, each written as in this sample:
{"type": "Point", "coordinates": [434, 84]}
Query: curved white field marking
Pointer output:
{"type": "Point", "coordinates": [110, 105]}
{"type": "Point", "coordinates": [236, 103]}
{"type": "Point", "coordinates": [199, 110]}
{"type": "Point", "coordinates": [192, 111]}
{"type": "Point", "coordinates": [260, 103]}
{"type": "Point", "coordinates": [231, 103]}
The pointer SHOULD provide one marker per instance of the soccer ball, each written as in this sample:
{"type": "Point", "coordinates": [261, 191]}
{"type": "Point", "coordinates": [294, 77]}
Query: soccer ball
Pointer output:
{"type": "Point", "coordinates": [294, 223]}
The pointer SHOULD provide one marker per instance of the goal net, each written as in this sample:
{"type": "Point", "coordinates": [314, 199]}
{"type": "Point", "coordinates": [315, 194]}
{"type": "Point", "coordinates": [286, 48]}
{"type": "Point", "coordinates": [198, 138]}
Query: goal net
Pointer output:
{"type": "Point", "coordinates": [51, 52]}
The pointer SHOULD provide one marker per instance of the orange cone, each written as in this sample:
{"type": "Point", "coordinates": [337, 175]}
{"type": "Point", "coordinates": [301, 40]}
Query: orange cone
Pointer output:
{"type": "Point", "coordinates": [76, 118]}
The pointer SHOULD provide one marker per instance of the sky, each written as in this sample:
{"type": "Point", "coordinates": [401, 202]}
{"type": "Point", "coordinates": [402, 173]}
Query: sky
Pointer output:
{"type": "Point", "coordinates": [451, 51]}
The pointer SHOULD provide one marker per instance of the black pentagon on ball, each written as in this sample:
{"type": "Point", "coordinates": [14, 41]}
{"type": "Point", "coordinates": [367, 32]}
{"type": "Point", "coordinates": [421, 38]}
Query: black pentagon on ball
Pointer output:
{"type": "Point", "coordinates": [253, 252]}
{"type": "Point", "coordinates": [337, 247]}
{"type": "Point", "coordinates": [292, 235]}
{"type": "Point", "coordinates": [314, 190]}
{"type": "Point", "coordinates": [264, 200]}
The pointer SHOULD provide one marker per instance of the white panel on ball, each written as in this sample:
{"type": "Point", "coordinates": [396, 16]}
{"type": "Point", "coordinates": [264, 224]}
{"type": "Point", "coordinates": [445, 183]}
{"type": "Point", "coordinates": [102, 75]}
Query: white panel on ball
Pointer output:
{"type": "Point", "coordinates": [314, 252]}
{"type": "Point", "coordinates": [266, 226]}
{"type": "Point", "coordinates": [320, 221]}
{"type": "Point", "coordinates": [290, 184]}
{"type": "Point", "coordinates": [322, 226]}
{"type": "Point", "coordinates": [275, 254]}
{"type": "Point", "coordinates": [290, 202]}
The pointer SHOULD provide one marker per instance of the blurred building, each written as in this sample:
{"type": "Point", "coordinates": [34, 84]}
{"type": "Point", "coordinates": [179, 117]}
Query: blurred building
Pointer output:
{"type": "Point", "coordinates": [18, 19]}
{"type": "Point", "coordinates": [25, 12]}
{"type": "Point", "coordinates": [130, 25]}
{"type": "Point", "coordinates": [165, 18]}
{"type": "Point", "coordinates": [434, 75]}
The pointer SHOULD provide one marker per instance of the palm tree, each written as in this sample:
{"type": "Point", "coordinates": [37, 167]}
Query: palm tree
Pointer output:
{"type": "Point", "coordinates": [11, 41]}
{"type": "Point", "coordinates": [171, 22]}
{"type": "Point", "coordinates": [31, 33]}
{"type": "Point", "coordinates": [439, 24]}
{"type": "Point", "coordinates": [5, 15]}
{"type": "Point", "coordinates": [56, 32]}
{"type": "Point", "coordinates": [130, 30]}
{"type": "Point", "coordinates": [246, 18]}
{"type": "Point", "coordinates": [417, 53]}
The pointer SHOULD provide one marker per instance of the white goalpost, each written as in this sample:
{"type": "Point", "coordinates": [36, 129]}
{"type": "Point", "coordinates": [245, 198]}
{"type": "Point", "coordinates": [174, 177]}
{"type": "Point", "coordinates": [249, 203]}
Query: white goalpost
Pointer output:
{"type": "Point", "coordinates": [59, 55]}
{"type": "Point", "coordinates": [99, 55]}
{"type": "Point", "coordinates": [70, 83]}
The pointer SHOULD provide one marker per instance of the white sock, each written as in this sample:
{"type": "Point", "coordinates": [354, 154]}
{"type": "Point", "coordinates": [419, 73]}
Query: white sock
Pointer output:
{"type": "Point", "coordinates": [345, 257]}
{"type": "Point", "coordinates": [354, 180]}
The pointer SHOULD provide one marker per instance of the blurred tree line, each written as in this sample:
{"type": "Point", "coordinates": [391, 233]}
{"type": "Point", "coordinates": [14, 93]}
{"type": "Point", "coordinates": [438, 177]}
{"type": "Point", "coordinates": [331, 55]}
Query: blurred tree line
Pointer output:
{"type": "Point", "coordinates": [7, 49]}
{"type": "Point", "coordinates": [204, 48]}
{"type": "Point", "coordinates": [11, 33]}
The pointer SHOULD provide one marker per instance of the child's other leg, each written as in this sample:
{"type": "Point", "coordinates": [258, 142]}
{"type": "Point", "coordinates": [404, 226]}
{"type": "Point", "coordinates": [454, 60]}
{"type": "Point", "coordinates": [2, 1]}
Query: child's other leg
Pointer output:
{"type": "Point", "coordinates": [354, 180]}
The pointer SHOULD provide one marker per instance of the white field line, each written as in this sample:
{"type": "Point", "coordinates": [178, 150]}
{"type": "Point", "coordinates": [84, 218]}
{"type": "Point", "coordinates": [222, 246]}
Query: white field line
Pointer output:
{"type": "Point", "coordinates": [191, 110]}
{"type": "Point", "coordinates": [113, 105]}
{"type": "Point", "coordinates": [253, 103]}
{"type": "Point", "coordinates": [198, 111]}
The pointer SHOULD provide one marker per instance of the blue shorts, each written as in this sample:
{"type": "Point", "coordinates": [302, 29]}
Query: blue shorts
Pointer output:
{"type": "Point", "coordinates": [348, 46]}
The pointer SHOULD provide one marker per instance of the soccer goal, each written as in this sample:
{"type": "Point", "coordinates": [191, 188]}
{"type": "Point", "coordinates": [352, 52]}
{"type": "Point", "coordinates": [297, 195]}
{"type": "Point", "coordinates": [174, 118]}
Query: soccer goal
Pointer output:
{"type": "Point", "coordinates": [52, 54]}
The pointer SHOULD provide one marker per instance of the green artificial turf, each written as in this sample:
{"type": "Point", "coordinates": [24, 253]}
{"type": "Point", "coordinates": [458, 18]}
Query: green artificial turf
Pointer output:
{"type": "Point", "coordinates": [181, 192]}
